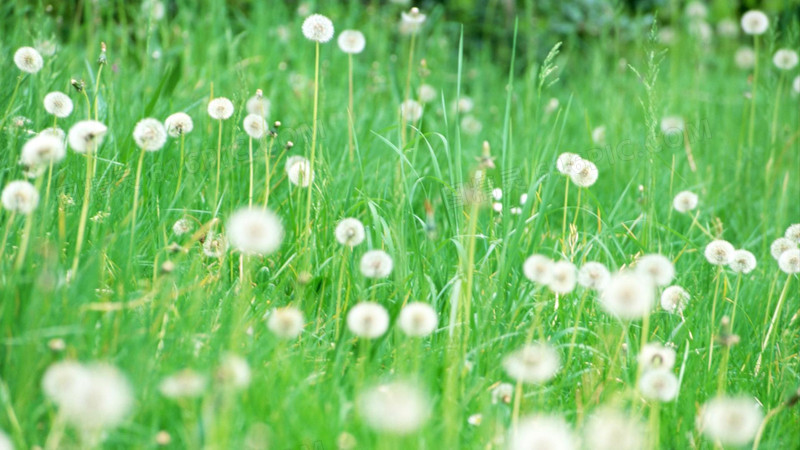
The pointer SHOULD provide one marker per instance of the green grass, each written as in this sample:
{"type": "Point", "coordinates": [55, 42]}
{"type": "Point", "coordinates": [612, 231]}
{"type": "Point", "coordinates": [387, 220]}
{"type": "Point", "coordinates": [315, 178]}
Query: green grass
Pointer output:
{"type": "Point", "coordinates": [127, 312]}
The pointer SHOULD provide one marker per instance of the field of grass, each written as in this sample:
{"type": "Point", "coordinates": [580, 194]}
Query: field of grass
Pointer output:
{"type": "Point", "coordinates": [441, 195]}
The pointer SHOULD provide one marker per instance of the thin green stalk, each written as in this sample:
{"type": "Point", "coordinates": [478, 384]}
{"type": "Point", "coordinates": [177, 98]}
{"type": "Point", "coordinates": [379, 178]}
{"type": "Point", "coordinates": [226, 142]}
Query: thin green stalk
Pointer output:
{"type": "Point", "coordinates": [266, 167]}
{"type": "Point", "coordinates": [11, 101]}
{"type": "Point", "coordinates": [136, 189]}
{"type": "Point", "coordinates": [407, 92]}
{"type": "Point", "coordinates": [312, 160]}
{"type": "Point", "coordinates": [219, 165]}
{"type": "Point", "coordinates": [338, 315]}
{"type": "Point", "coordinates": [250, 154]}
{"type": "Point", "coordinates": [350, 113]}
{"type": "Point", "coordinates": [84, 209]}
{"type": "Point", "coordinates": [773, 322]}
{"type": "Point", "coordinates": [751, 128]}
{"type": "Point", "coordinates": [180, 167]}
{"type": "Point", "coordinates": [713, 320]}
{"type": "Point", "coordinates": [5, 234]}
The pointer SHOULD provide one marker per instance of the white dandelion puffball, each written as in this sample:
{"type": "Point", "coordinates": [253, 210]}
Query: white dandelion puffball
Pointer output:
{"type": "Point", "coordinates": [542, 433]}
{"type": "Point", "coordinates": [181, 227]}
{"type": "Point", "coordinates": [609, 429]}
{"type": "Point", "coordinates": [58, 104]}
{"type": "Point", "coordinates": [179, 124]}
{"type": "Point", "coordinates": [318, 28]}
{"type": "Point", "coordinates": [754, 22]}
{"type": "Point", "coordinates": [672, 124]}
{"type": "Point", "coordinates": [350, 232]}
{"type": "Point", "coordinates": [215, 245]}
{"type": "Point", "coordinates": [563, 277]}
{"type": "Point", "coordinates": [255, 126]}
{"type": "Point", "coordinates": [465, 105]}
{"type": "Point", "coordinates": [376, 264]}
{"type": "Point", "coordinates": [796, 84]}
{"type": "Point", "coordinates": [742, 261]}
{"type": "Point", "coordinates": [150, 135]}
{"type": "Point", "coordinates": [719, 252]}
{"type": "Point", "coordinates": [258, 105]}
{"type": "Point", "coordinates": [599, 135]}
{"type": "Point", "coordinates": [696, 10]}
{"type": "Point", "coordinates": [533, 364]}
{"type": "Point", "coordinates": [730, 420]}
{"type": "Point", "coordinates": [785, 59]}
{"type": "Point", "coordinates": [91, 398]}
{"type": "Point", "coordinates": [286, 322]}
{"type": "Point", "coordinates": [418, 319]}
{"type": "Point", "coordinates": [502, 393]}
{"type": "Point", "coordinates": [685, 201]}
{"type": "Point", "coordinates": [368, 320]}
{"type": "Point", "coordinates": [793, 232]}
{"type": "Point", "coordinates": [351, 41]}
{"type": "Point", "coordinates": [538, 268]}
{"type": "Point", "coordinates": [220, 108]}
{"type": "Point", "coordinates": [628, 296]}
{"type": "Point", "coordinates": [658, 384]}
{"type": "Point", "coordinates": [234, 372]}
{"type": "Point", "coordinates": [396, 407]}
{"type": "Point", "coordinates": [28, 60]}
{"type": "Point", "coordinates": [551, 106]}
{"type": "Point", "coordinates": [585, 174]}
{"type": "Point", "coordinates": [411, 110]}
{"type": "Point", "coordinates": [656, 356]}
{"type": "Point", "coordinates": [184, 384]}
{"type": "Point", "coordinates": [426, 93]}
{"type": "Point", "coordinates": [568, 163]}
{"type": "Point", "coordinates": [674, 299]}
{"type": "Point", "coordinates": [727, 28]}
{"type": "Point", "coordinates": [781, 245]}
{"type": "Point", "coordinates": [789, 261]}
{"type": "Point", "coordinates": [5, 442]}
{"type": "Point", "coordinates": [411, 21]}
{"type": "Point", "coordinates": [667, 36]}
{"type": "Point", "coordinates": [20, 197]}
{"type": "Point", "coordinates": [657, 267]}
{"type": "Point", "coordinates": [86, 136]}
{"type": "Point", "coordinates": [42, 150]}
{"type": "Point", "coordinates": [57, 133]}
{"type": "Point", "coordinates": [471, 126]}
{"type": "Point", "coordinates": [255, 231]}
{"type": "Point", "coordinates": [298, 170]}
{"type": "Point", "coordinates": [745, 58]}
{"type": "Point", "coordinates": [593, 275]}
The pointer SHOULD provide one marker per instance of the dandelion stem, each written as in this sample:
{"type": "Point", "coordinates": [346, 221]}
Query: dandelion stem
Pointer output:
{"type": "Point", "coordinates": [772, 323]}
{"type": "Point", "coordinates": [180, 167]}
{"type": "Point", "coordinates": [219, 164]}
{"type": "Point", "coordinates": [772, 413]}
{"type": "Point", "coordinates": [136, 188]}
{"type": "Point", "coordinates": [350, 113]}
{"type": "Point", "coordinates": [97, 91]}
{"type": "Point", "coordinates": [84, 208]}
{"type": "Point", "coordinates": [712, 321]}
{"type": "Point", "coordinates": [5, 234]}
{"type": "Point", "coordinates": [23, 246]}
{"type": "Point", "coordinates": [338, 316]}
{"type": "Point", "coordinates": [267, 154]}
{"type": "Point", "coordinates": [307, 231]}
{"type": "Point", "coordinates": [751, 128]}
{"type": "Point", "coordinates": [564, 220]}
{"type": "Point", "coordinates": [250, 152]}
{"type": "Point", "coordinates": [407, 93]}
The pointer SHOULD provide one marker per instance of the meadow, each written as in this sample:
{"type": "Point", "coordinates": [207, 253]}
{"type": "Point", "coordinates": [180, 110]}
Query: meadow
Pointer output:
{"type": "Point", "coordinates": [235, 225]}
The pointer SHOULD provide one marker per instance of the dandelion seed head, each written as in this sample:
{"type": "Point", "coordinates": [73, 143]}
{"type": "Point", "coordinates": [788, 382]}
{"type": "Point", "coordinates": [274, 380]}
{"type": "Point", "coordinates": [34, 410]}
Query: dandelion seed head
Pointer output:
{"type": "Point", "coordinates": [658, 384]}
{"type": "Point", "coordinates": [503, 392]}
{"type": "Point", "coordinates": [785, 59]}
{"type": "Point", "coordinates": [220, 108]}
{"type": "Point", "coordinates": [551, 106]}
{"type": "Point", "coordinates": [350, 232]}
{"type": "Point", "coordinates": [286, 322]}
{"type": "Point", "coordinates": [20, 197]}
{"type": "Point", "coordinates": [789, 261]}
{"type": "Point", "coordinates": [150, 135]}
{"type": "Point", "coordinates": [585, 174]}
{"type": "Point", "coordinates": [656, 356]}
{"type": "Point", "coordinates": [5, 442]}
{"type": "Point", "coordinates": [418, 319]}
{"type": "Point", "coordinates": [28, 60]}
{"type": "Point", "coordinates": [568, 163]}
{"type": "Point", "coordinates": [745, 58]}
{"type": "Point", "coordinates": [471, 125]}
{"type": "Point", "coordinates": [255, 126]}
{"type": "Point", "coordinates": [793, 233]}
{"type": "Point", "coordinates": [628, 296]}
{"type": "Point", "coordinates": [58, 104]}
{"type": "Point", "coordinates": [696, 10]}
{"type": "Point", "coordinates": [57, 133]}
{"type": "Point", "coordinates": [542, 433]}
{"type": "Point", "coordinates": [796, 84]}
{"type": "Point", "coordinates": [234, 372]}
{"type": "Point", "coordinates": [533, 364]}
{"type": "Point", "coordinates": [426, 93]}
{"type": "Point", "coordinates": [563, 277]}
{"type": "Point", "coordinates": [397, 407]}
{"type": "Point", "coordinates": [368, 320]}
{"type": "Point", "coordinates": [465, 105]}
{"type": "Point", "coordinates": [179, 124]}
{"type": "Point", "coordinates": [184, 384]}
{"type": "Point", "coordinates": [411, 110]}
{"type": "Point", "coordinates": [719, 252]}
{"type": "Point", "coordinates": [63, 377]}
{"type": "Point", "coordinates": [781, 245]}
{"type": "Point", "coordinates": [259, 105]}
{"type": "Point", "coordinates": [86, 136]}
{"type": "Point", "coordinates": [674, 299]}
{"type": "Point", "coordinates": [538, 269]}
{"type": "Point", "coordinates": [727, 28]}
{"type": "Point", "coordinates": [742, 261]}
{"type": "Point", "coordinates": [685, 201]}
{"type": "Point", "coordinates": [318, 28]}
{"type": "Point", "coordinates": [672, 124]}
{"type": "Point", "coordinates": [411, 22]}
{"type": "Point", "coordinates": [298, 170]}
{"type": "Point", "coordinates": [702, 31]}
{"type": "Point", "coordinates": [730, 420]}
{"type": "Point", "coordinates": [351, 41]}
{"type": "Point", "coordinates": [599, 135]}
{"type": "Point", "coordinates": [255, 231]}
{"type": "Point", "coordinates": [376, 264]}
{"type": "Point", "coordinates": [754, 22]}
{"type": "Point", "coordinates": [42, 150]}
{"type": "Point", "coordinates": [657, 267]}
{"type": "Point", "coordinates": [609, 429]}
{"type": "Point", "coordinates": [593, 275]}
{"type": "Point", "coordinates": [215, 245]}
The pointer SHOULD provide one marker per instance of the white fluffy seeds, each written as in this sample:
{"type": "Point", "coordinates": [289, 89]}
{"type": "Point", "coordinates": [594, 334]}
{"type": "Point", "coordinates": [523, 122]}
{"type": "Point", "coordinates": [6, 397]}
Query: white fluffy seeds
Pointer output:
{"type": "Point", "coordinates": [376, 264]}
{"type": "Point", "coordinates": [255, 231]}
{"type": "Point", "coordinates": [368, 320]}
{"type": "Point", "coordinates": [58, 104]}
{"type": "Point", "coordinates": [150, 135]}
{"type": "Point", "coordinates": [318, 28]}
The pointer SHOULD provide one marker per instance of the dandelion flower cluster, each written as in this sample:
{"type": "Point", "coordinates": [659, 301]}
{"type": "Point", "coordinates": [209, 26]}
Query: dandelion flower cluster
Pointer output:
{"type": "Point", "coordinates": [719, 252]}
{"type": "Point", "coordinates": [411, 110]}
{"type": "Point", "coordinates": [397, 407]}
{"type": "Point", "coordinates": [608, 429]}
{"type": "Point", "coordinates": [742, 261]}
{"type": "Point", "coordinates": [318, 28]}
{"type": "Point", "coordinates": [215, 245]}
{"type": "Point", "coordinates": [755, 22]}
{"type": "Point", "coordinates": [298, 170]}
{"type": "Point", "coordinates": [234, 372]}
{"type": "Point", "coordinates": [781, 245]}
{"type": "Point", "coordinates": [368, 320]}
{"type": "Point", "coordinates": [350, 232]}
{"type": "Point", "coordinates": [538, 269]}
{"type": "Point", "coordinates": [745, 58]}
{"type": "Point", "coordinates": [150, 135]}
{"type": "Point", "coordinates": [258, 104]}
{"type": "Point", "coordinates": [86, 136]}
{"type": "Point", "coordinates": [563, 277]}
{"type": "Point", "coordinates": [28, 59]}
{"type": "Point", "coordinates": [426, 93]}
{"type": "Point", "coordinates": [656, 356]}
{"type": "Point", "coordinates": [674, 299]}
{"type": "Point", "coordinates": [184, 384]}
{"type": "Point", "coordinates": [542, 433]}
{"type": "Point", "coordinates": [658, 384]}
{"type": "Point", "coordinates": [20, 197]}
{"type": "Point", "coordinates": [685, 201]}
{"type": "Point", "coordinates": [657, 267]}
{"type": "Point", "coordinates": [58, 104]}
{"type": "Point", "coordinates": [255, 231]}
{"type": "Point", "coordinates": [286, 322]}
{"type": "Point", "coordinates": [42, 150]}
{"type": "Point", "coordinates": [593, 275]}
{"type": "Point", "coordinates": [376, 264]}
{"type": "Point", "coordinates": [785, 59]}
{"type": "Point", "coordinates": [179, 124]}
{"type": "Point", "coordinates": [255, 126]}
{"type": "Point", "coordinates": [533, 364]}
{"type": "Point", "coordinates": [351, 41]}
{"type": "Point", "coordinates": [789, 261]}
{"type": "Point", "coordinates": [220, 108]}
{"type": "Point", "coordinates": [411, 21]}
{"type": "Point", "coordinates": [730, 420]}
{"type": "Point", "coordinates": [418, 319]}
{"type": "Point", "coordinates": [628, 296]}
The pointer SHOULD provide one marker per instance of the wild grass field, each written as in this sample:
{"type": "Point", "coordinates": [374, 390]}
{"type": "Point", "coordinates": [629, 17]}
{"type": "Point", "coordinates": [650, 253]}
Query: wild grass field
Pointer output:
{"type": "Point", "coordinates": [434, 233]}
